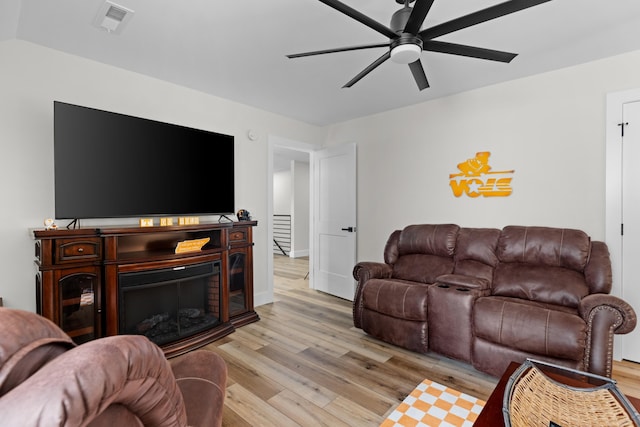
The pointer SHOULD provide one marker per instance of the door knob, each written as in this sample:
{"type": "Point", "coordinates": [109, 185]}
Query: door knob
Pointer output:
{"type": "Point", "coordinates": [349, 229]}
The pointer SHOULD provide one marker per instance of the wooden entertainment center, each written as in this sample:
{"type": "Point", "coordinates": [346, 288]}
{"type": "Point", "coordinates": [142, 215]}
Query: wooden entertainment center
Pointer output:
{"type": "Point", "coordinates": [84, 276]}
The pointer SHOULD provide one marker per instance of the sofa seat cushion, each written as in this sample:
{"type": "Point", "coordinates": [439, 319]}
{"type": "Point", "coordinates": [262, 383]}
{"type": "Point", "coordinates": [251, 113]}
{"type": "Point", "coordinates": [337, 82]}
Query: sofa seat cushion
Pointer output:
{"type": "Point", "coordinates": [531, 327]}
{"type": "Point", "coordinates": [396, 298]}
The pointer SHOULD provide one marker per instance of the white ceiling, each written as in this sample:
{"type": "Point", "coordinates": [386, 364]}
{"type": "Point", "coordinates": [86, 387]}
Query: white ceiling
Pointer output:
{"type": "Point", "coordinates": [236, 49]}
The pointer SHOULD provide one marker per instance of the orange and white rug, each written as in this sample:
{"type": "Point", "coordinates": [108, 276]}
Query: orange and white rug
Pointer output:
{"type": "Point", "coordinates": [434, 405]}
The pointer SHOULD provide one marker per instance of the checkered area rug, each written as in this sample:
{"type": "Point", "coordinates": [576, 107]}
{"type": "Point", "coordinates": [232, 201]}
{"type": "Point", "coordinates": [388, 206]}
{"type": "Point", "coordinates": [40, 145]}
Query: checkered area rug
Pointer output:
{"type": "Point", "coordinates": [434, 405]}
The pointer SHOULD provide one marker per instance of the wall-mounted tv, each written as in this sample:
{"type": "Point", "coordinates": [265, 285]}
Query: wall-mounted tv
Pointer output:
{"type": "Point", "coordinates": [111, 165]}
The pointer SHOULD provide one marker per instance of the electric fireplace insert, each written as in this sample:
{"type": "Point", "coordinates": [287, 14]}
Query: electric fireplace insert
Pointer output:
{"type": "Point", "coordinates": [169, 304]}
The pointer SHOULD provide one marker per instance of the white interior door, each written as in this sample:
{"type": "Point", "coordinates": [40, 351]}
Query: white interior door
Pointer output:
{"type": "Point", "coordinates": [631, 221]}
{"type": "Point", "coordinates": [334, 252]}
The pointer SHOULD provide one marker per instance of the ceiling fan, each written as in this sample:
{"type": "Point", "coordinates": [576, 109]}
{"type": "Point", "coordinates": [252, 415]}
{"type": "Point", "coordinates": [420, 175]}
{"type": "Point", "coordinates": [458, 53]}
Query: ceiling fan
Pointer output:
{"type": "Point", "coordinates": [407, 41]}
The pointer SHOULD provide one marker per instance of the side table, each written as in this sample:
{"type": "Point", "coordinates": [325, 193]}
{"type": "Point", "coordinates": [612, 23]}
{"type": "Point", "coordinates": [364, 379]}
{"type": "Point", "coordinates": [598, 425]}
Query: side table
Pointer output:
{"type": "Point", "coordinates": [492, 416]}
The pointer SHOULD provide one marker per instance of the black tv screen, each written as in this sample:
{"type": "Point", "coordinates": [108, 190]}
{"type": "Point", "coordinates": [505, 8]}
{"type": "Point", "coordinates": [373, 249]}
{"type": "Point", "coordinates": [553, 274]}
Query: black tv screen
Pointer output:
{"type": "Point", "coordinates": [112, 165]}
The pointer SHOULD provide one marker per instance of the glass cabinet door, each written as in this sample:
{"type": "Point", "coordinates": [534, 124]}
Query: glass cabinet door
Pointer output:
{"type": "Point", "coordinates": [77, 305]}
{"type": "Point", "coordinates": [237, 283]}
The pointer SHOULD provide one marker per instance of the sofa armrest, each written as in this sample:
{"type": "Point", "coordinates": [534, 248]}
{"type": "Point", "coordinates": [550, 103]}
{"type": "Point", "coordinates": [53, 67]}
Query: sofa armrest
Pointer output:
{"type": "Point", "coordinates": [363, 272]}
{"type": "Point", "coordinates": [202, 378]}
{"type": "Point", "coordinates": [605, 316]}
{"type": "Point", "coordinates": [81, 384]}
{"type": "Point", "coordinates": [29, 341]}
{"type": "Point", "coordinates": [623, 325]}
{"type": "Point", "coordinates": [367, 270]}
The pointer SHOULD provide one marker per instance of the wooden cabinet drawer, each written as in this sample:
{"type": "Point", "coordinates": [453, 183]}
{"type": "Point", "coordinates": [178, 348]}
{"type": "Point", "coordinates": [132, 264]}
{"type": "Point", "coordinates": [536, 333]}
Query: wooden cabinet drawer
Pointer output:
{"type": "Point", "coordinates": [71, 250]}
{"type": "Point", "coordinates": [238, 235]}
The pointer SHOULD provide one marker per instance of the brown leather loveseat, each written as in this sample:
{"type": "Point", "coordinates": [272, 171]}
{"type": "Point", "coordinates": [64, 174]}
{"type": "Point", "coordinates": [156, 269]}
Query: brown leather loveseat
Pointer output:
{"type": "Point", "coordinates": [488, 297]}
{"type": "Point", "coordinates": [46, 380]}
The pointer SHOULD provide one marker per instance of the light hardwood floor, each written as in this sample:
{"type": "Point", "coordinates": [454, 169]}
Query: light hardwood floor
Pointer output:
{"type": "Point", "coordinates": [305, 364]}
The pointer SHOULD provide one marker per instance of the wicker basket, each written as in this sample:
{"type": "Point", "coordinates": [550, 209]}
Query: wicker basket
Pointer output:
{"type": "Point", "coordinates": [532, 398]}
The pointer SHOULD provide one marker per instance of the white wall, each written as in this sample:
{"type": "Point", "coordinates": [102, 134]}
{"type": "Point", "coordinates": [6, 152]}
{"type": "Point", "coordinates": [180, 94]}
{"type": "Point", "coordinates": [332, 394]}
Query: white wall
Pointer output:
{"type": "Point", "coordinates": [282, 205]}
{"type": "Point", "coordinates": [291, 197]}
{"type": "Point", "coordinates": [32, 77]}
{"type": "Point", "coordinates": [282, 193]}
{"type": "Point", "coordinates": [301, 214]}
{"type": "Point", "coordinates": [549, 128]}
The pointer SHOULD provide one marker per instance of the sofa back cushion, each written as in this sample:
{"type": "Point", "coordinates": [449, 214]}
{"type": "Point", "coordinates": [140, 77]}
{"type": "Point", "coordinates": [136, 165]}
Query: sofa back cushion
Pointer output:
{"type": "Point", "coordinates": [542, 264]}
{"type": "Point", "coordinates": [476, 252]}
{"type": "Point", "coordinates": [421, 268]}
{"type": "Point", "coordinates": [598, 270]}
{"type": "Point", "coordinates": [391, 248]}
{"type": "Point", "coordinates": [555, 247]}
{"type": "Point", "coordinates": [431, 239]}
{"type": "Point", "coordinates": [425, 252]}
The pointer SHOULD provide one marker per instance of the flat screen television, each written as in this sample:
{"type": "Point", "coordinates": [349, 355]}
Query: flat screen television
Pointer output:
{"type": "Point", "coordinates": [110, 165]}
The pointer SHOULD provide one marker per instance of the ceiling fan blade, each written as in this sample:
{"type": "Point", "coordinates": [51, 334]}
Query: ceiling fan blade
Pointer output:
{"type": "Point", "coordinates": [340, 49]}
{"type": "Point", "coordinates": [420, 10]}
{"type": "Point", "coordinates": [369, 69]}
{"type": "Point", "coordinates": [478, 17]}
{"type": "Point", "coordinates": [362, 18]}
{"type": "Point", "coordinates": [471, 51]}
{"type": "Point", "coordinates": [418, 74]}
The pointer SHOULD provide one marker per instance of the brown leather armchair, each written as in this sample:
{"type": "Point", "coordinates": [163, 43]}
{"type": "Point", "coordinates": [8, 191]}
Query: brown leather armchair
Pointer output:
{"type": "Point", "coordinates": [46, 380]}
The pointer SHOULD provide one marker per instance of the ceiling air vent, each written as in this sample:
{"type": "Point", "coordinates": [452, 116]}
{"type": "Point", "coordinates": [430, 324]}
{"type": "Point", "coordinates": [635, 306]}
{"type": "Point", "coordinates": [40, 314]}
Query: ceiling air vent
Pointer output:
{"type": "Point", "coordinates": [113, 17]}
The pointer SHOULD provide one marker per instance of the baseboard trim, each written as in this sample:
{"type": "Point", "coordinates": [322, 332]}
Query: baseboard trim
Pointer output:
{"type": "Point", "coordinates": [262, 298]}
{"type": "Point", "coordinates": [299, 254]}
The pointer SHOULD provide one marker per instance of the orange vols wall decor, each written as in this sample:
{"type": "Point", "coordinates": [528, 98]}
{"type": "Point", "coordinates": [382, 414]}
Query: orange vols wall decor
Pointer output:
{"type": "Point", "coordinates": [477, 179]}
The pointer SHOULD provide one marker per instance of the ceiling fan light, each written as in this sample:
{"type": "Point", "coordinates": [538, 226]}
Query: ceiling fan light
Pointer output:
{"type": "Point", "coordinates": [406, 53]}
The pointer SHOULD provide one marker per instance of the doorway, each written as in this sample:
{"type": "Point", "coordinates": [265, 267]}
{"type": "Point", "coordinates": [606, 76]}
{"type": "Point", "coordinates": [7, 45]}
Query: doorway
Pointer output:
{"type": "Point", "coordinates": [288, 159]}
{"type": "Point", "coordinates": [332, 230]}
